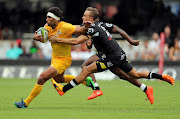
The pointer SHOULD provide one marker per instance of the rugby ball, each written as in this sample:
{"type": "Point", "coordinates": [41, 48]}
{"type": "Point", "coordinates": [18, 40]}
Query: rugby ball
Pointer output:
{"type": "Point", "coordinates": [44, 33]}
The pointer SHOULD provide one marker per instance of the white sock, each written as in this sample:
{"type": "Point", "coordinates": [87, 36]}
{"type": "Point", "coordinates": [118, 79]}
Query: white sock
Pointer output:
{"type": "Point", "coordinates": [96, 84]}
{"type": "Point", "coordinates": [142, 87]}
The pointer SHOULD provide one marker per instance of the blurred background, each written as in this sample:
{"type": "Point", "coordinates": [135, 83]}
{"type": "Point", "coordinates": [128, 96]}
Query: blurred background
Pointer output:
{"type": "Point", "coordinates": [141, 19]}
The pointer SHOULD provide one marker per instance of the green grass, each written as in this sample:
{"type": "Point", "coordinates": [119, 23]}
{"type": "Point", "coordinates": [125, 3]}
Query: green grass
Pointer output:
{"type": "Point", "coordinates": [121, 100]}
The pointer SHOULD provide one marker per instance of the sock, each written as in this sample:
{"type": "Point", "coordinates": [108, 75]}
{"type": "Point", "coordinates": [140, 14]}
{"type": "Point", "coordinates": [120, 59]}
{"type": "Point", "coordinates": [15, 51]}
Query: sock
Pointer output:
{"type": "Point", "coordinates": [93, 88]}
{"type": "Point", "coordinates": [143, 87]}
{"type": "Point", "coordinates": [70, 85]}
{"type": "Point", "coordinates": [35, 91]}
{"type": "Point", "coordinates": [96, 86]}
{"type": "Point", "coordinates": [68, 78]}
{"type": "Point", "coordinates": [154, 75]}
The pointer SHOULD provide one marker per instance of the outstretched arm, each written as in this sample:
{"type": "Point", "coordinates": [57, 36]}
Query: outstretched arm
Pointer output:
{"type": "Point", "coordinates": [79, 29]}
{"type": "Point", "coordinates": [70, 41]}
{"type": "Point", "coordinates": [82, 29]}
{"type": "Point", "coordinates": [116, 29]}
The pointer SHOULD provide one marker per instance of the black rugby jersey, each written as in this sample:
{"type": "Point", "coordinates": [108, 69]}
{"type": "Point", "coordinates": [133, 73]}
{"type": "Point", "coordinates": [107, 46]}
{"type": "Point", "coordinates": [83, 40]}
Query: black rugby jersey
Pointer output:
{"type": "Point", "coordinates": [103, 40]}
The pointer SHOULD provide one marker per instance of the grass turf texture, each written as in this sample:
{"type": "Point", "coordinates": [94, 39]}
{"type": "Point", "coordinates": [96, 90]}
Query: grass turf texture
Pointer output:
{"type": "Point", "coordinates": [120, 100]}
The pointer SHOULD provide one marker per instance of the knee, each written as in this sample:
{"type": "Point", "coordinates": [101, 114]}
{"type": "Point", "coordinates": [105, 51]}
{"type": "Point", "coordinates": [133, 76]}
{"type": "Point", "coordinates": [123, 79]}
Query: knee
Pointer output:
{"type": "Point", "coordinates": [135, 76]}
{"type": "Point", "coordinates": [85, 70]}
{"type": "Point", "coordinates": [84, 65]}
{"type": "Point", "coordinates": [59, 79]}
{"type": "Point", "coordinates": [41, 79]}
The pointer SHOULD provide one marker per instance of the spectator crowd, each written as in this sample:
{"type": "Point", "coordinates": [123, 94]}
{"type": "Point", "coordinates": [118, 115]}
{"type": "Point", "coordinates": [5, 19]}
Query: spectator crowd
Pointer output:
{"type": "Point", "coordinates": [160, 19]}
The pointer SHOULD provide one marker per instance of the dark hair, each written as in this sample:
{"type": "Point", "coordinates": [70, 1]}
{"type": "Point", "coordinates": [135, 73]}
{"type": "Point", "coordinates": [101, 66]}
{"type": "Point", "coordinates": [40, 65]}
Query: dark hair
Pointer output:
{"type": "Point", "coordinates": [57, 11]}
{"type": "Point", "coordinates": [93, 12]}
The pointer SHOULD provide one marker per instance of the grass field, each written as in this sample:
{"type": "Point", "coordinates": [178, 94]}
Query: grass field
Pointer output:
{"type": "Point", "coordinates": [121, 100]}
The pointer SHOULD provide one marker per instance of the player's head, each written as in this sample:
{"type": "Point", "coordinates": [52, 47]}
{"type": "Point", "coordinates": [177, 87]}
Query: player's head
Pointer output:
{"type": "Point", "coordinates": [91, 14]}
{"type": "Point", "coordinates": [54, 15]}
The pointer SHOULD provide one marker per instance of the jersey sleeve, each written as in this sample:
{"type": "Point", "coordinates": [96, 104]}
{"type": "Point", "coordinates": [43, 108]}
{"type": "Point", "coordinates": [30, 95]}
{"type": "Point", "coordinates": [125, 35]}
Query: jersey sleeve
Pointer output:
{"type": "Point", "coordinates": [107, 26]}
{"type": "Point", "coordinates": [48, 28]}
{"type": "Point", "coordinates": [69, 29]}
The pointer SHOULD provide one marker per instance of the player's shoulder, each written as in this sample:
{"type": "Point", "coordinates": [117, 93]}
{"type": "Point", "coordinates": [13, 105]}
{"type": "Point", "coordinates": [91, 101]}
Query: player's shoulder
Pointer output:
{"type": "Point", "coordinates": [105, 24]}
{"type": "Point", "coordinates": [64, 24]}
{"type": "Point", "coordinates": [49, 28]}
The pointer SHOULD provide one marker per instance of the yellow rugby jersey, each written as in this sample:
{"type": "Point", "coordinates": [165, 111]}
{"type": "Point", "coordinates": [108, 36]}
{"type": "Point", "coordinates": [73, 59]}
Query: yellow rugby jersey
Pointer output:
{"type": "Point", "coordinates": [64, 30]}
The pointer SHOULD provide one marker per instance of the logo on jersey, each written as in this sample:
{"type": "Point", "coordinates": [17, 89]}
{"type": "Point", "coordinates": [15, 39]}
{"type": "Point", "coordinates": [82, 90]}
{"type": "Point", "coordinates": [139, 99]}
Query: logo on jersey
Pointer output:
{"type": "Point", "coordinates": [59, 32]}
{"type": "Point", "coordinates": [108, 25]}
{"type": "Point", "coordinates": [102, 65]}
{"type": "Point", "coordinates": [122, 56]}
{"type": "Point", "coordinates": [93, 24]}
{"type": "Point", "coordinates": [103, 56]}
{"type": "Point", "coordinates": [90, 30]}
{"type": "Point", "coordinates": [109, 64]}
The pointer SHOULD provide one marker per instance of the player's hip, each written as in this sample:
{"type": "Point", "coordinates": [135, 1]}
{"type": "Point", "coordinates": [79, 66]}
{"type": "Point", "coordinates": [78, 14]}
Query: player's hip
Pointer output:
{"type": "Point", "coordinates": [107, 62]}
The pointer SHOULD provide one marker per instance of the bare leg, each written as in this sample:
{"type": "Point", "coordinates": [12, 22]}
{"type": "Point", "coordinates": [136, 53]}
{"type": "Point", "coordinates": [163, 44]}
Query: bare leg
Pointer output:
{"type": "Point", "coordinates": [88, 62]}
{"type": "Point", "coordinates": [134, 74]}
{"type": "Point", "coordinates": [124, 76]}
{"type": "Point", "coordinates": [59, 78]}
{"type": "Point", "coordinates": [92, 68]}
{"type": "Point", "coordinates": [46, 75]}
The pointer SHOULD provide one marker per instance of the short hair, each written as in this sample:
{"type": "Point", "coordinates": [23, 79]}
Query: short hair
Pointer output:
{"type": "Point", "coordinates": [57, 11]}
{"type": "Point", "coordinates": [93, 12]}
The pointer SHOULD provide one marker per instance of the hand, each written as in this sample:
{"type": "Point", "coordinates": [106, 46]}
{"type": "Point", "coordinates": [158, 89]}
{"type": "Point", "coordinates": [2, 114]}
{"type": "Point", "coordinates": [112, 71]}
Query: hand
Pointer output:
{"type": "Point", "coordinates": [135, 42]}
{"type": "Point", "coordinates": [54, 38]}
{"type": "Point", "coordinates": [89, 43]}
{"type": "Point", "coordinates": [38, 37]}
{"type": "Point", "coordinates": [87, 24]}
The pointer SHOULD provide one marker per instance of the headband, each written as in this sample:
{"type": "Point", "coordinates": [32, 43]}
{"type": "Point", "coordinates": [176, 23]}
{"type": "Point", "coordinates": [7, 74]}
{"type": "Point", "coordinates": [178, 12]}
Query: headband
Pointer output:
{"type": "Point", "coordinates": [53, 16]}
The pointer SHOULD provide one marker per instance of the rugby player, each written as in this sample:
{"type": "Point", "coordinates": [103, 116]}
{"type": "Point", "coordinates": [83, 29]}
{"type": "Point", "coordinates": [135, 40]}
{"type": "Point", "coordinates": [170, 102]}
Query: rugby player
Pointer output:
{"type": "Point", "coordinates": [61, 56]}
{"type": "Point", "coordinates": [113, 55]}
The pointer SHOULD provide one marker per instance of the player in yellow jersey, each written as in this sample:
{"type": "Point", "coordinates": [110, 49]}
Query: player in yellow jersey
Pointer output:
{"type": "Point", "coordinates": [61, 56]}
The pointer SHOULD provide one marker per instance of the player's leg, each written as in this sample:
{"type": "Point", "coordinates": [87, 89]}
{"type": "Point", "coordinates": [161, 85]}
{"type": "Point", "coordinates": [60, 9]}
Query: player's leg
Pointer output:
{"type": "Point", "coordinates": [97, 91]}
{"type": "Point", "coordinates": [147, 89]}
{"type": "Point", "coordinates": [117, 71]}
{"type": "Point", "coordinates": [92, 68]}
{"type": "Point", "coordinates": [44, 76]}
{"type": "Point", "coordinates": [149, 75]}
{"type": "Point", "coordinates": [127, 67]}
{"type": "Point", "coordinates": [61, 78]}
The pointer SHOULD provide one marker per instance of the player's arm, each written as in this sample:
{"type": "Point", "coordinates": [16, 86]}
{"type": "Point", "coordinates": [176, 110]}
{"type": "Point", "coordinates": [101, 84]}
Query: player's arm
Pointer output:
{"type": "Point", "coordinates": [116, 29]}
{"type": "Point", "coordinates": [79, 29]}
{"type": "Point", "coordinates": [38, 37]}
{"type": "Point", "coordinates": [70, 41]}
{"type": "Point", "coordinates": [89, 43]}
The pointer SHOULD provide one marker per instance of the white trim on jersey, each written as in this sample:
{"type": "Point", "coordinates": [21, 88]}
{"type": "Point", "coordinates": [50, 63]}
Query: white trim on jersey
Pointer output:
{"type": "Point", "coordinates": [96, 34]}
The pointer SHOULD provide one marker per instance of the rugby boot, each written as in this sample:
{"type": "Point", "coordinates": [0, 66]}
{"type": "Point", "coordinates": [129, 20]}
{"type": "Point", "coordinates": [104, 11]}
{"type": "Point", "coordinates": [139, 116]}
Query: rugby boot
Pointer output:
{"type": "Point", "coordinates": [95, 94]}
{"type": "Point", "coordinates": [168, 79]}
{"type": "Point", "coordinates": [21, 104]}
{"type": "Point", "coordinates": [58, 87]}
{"type": "Point", "coordinates": [149, 93]}
{"type": "Point", "coordinates": [89, 82]}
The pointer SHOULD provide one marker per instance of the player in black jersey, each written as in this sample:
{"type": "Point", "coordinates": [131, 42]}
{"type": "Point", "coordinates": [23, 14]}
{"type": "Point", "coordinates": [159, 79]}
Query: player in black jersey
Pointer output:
{"type": "Point", "coordinates": [114, 56]}
{"type": "Point", "coordinates": [115, 29]}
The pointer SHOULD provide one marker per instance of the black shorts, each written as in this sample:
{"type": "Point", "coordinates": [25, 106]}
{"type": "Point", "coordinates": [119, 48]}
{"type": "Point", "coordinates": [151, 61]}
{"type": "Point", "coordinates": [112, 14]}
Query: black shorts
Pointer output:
{"type": "Point", "coordinates": [106, 62]}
